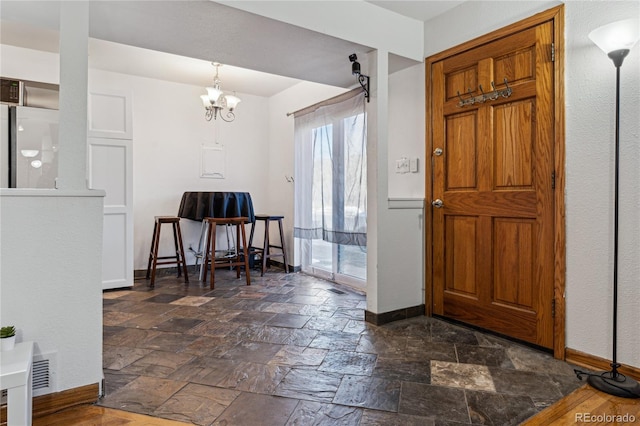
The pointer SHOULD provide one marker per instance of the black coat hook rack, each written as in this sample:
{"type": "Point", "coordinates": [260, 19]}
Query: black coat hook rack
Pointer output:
{"type": "Point", "coordinates": [484, 97]}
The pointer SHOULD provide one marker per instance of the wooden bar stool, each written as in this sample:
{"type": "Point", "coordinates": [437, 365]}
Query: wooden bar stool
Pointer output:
{"type": "Point", "coordinates": [265, 250]}
{"type": "Point", "coordinates": [237, 259]}
{"type": "Point", "coordinates": [178, 259]}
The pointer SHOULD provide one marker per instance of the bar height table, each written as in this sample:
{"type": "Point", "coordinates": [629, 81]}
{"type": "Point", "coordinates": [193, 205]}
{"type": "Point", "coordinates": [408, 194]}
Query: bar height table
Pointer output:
{"type": "Point", "coordinates": [196, 205]}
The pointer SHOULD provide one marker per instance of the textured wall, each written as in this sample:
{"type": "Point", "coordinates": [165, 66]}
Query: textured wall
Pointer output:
{"type": "Point", "coordinates": [406, 130]}
{"type": "Point", "coordinates": [590, 112]}
{"type": "Point", "coordinates": [50, 277]}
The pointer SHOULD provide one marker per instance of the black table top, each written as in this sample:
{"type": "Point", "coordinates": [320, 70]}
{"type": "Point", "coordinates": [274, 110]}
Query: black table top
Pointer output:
{"type": "Point", "coordinates": [198, 205]}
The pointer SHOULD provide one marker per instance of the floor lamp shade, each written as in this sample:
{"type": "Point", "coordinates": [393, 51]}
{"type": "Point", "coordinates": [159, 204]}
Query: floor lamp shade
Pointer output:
{"type": "Point", "coordinates": [616, 40]}
{"type": "Point", "coordinates": [621, 35]}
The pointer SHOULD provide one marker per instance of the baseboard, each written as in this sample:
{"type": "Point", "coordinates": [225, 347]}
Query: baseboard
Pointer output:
{"type": "Point", "coordinates": [53, 402]}
{"type": "Point", "coordinates": [397, 315]}
{"type": "Point", "coordinates": [599, 364]}
{"type": "Point", "coordinates": [140, 274]}
{"type": "Point", "coordinates": [281, 266]}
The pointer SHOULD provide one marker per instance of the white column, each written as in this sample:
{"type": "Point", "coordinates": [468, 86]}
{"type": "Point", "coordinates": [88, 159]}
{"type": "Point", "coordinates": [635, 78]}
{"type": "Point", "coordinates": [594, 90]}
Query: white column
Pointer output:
{"type": "Point", "coordinates": [74, 42]}
{"type": "Point", "coordinates": [377, 174]}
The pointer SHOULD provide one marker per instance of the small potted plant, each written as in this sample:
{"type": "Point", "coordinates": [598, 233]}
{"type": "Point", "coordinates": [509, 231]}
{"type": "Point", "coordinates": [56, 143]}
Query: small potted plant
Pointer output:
{"type": "Point", "coordinates": [7, 338]}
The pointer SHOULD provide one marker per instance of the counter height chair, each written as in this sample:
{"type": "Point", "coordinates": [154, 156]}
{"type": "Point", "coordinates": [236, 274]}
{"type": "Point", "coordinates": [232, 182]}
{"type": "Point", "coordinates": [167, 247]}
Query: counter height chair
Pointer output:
{"type": "Point", "coordinates": [238, 258]}
{"type": "Point", "coordinates": [265, 250]}
{"type": "Point", "coordinates": [178, 259]}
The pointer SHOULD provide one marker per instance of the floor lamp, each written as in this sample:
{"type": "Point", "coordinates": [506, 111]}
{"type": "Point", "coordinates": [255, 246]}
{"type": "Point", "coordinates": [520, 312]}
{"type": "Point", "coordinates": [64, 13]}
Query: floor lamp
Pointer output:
{"type": "Point", "coordinates": [616, 39]}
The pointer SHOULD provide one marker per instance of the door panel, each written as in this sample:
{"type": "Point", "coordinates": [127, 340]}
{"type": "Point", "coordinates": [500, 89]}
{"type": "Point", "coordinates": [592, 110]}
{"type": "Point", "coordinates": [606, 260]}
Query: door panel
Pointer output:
{"type": "Point", "coordinates": [110, 115]}
{"type": "Point", "coordinates": [461, 264]}
{"type": "Point", "coordinates": [111, 169]}
{"type": "Point", "coordinates": [513, 145]}
{"type": "Point", "coordinates": [493, 249]}
{"type": "Point", "coordinates": [462, 151]}
{"type": "Point", "coordinates": [516, 67]}
{"type": "Point", "coordinates": [465, 78]}
{"type": "Point", "coordinates": [514, 262]}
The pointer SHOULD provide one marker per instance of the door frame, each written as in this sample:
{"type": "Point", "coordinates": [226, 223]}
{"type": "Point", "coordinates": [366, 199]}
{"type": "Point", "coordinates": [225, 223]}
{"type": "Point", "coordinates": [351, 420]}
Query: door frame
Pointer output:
{"type": "Point", "coordinates": [556, 16]}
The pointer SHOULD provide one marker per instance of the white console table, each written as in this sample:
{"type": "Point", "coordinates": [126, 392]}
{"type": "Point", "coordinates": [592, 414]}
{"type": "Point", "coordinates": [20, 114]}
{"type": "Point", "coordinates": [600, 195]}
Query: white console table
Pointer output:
{"type": "Point", "coordinates": [16, 377]}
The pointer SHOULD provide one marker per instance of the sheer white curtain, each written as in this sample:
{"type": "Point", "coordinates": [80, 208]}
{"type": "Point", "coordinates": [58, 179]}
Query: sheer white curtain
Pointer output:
{"type": "Point", "coordinates": [330, 184]}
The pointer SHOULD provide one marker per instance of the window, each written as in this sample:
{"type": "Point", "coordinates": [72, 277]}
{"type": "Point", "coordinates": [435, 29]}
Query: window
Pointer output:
{"type": "Point", "coordinates": [331, 190]}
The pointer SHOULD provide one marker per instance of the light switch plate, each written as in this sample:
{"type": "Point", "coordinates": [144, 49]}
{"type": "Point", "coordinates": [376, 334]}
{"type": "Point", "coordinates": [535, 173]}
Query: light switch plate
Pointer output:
{"type": "Point", "coordinates": [413, 165]}
{"type": "Point", "coordinates": [402, 165]}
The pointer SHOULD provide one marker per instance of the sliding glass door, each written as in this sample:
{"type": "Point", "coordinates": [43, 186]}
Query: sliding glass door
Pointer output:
{"type": "Point", "coordinates": [331, 214]}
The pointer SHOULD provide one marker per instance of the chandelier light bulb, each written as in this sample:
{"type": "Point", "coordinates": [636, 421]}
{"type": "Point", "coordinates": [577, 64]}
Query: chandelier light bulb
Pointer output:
{"type": "Point", "coordinates": [29, 153]}
{"type": "Point", "coordinates": [216, 102]}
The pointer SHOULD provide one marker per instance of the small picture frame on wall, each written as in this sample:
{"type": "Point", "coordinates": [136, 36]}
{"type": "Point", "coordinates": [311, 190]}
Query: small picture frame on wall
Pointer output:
{"type": "Point", "coordinates": [212, 164]}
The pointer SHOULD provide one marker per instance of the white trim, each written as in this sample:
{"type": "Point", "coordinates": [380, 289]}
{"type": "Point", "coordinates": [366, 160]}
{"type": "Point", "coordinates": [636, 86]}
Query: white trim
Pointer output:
{"type": "Point", "coordinates": [353, 283]}
{"type": "Point", "coordinates": [406, 203]}
{"type": "Point", "coordinates": [27, 192]}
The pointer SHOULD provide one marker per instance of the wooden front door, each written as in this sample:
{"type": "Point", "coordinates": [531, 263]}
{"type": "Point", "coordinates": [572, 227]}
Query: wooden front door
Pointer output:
{"type": "Point", "coordinates": [493, 171]}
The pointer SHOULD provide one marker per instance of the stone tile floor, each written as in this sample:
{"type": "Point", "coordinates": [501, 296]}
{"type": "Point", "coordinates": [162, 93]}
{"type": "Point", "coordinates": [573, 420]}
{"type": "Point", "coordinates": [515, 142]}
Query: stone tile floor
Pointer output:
{"type": "Point", "coordinates": [294, 350]}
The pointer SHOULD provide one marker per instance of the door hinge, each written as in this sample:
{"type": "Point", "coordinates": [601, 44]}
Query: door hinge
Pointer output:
{"type": "Point", "coordinates": [553, 180]}
{"type": "Point", "coordinates": [553, 52]}
{"type": "Point", "coordinates": [553, 308]}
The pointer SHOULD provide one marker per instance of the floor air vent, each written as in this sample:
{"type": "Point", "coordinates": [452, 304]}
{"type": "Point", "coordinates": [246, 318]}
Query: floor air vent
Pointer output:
{"type": "Point", "coordinates": [336, 291]}
{"type": "Point", "coordinates": [44, 368]}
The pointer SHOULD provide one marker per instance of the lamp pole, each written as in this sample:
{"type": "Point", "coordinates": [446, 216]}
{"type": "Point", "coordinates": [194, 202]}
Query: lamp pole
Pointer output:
{"type": "Point", "coordinates": [617, 57]}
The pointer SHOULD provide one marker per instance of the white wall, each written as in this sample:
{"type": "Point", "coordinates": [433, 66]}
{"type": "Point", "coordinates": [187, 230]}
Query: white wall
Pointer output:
{"type": "Point", "coordinates": [29, 64]}
{"type": "Point", "coordinates": [475, 18]}
{"type": "Point", "coordinates": [406, 130]}
{"type": "Point", "coordinates": [590, 120]}
{"type": "Point", "coordinates": [50, 277]}
{"type": "Point", "coordinates": [589, 94]}
{"type": "Point", "coordinates": [169, 131]}
{"type": "Point", "coordinates": [356, 21]}
{"type": "Point", "coordinates": [395, 257]}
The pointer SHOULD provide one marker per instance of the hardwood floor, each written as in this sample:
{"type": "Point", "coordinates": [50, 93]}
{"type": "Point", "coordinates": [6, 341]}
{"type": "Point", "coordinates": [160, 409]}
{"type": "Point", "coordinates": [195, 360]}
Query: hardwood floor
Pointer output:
{"type": "Point", "coordinates": [589, 406]}
{"type": "Point", "coordinates": [572, 409]}
{"type": "Point", "coordinates": [94, 415]}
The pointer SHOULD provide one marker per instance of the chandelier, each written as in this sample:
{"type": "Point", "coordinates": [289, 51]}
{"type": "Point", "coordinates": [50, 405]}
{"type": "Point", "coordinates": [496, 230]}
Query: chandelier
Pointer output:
{"type": "Point", "coordinates": [216, 101]}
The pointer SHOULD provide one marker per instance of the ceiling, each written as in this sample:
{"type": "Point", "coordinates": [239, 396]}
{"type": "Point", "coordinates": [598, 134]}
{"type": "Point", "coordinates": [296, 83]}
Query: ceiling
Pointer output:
{"type": "Point", "coordinates": [422, 10]}
{"type": "Point", "coordinates": [148, 38]}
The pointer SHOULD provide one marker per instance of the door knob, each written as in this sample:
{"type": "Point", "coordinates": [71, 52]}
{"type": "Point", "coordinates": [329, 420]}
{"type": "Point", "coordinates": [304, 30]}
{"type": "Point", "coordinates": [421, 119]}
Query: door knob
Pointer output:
{"type": "Point", "coordinates": [437, 203]}
{"type": "Point", "coordinates": [437, 152]}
